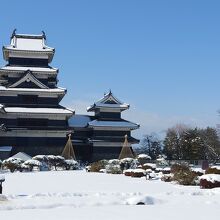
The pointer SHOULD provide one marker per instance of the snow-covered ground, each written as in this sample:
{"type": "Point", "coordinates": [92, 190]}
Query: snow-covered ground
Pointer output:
{"type": "Point", "coordinates": [87, 196]}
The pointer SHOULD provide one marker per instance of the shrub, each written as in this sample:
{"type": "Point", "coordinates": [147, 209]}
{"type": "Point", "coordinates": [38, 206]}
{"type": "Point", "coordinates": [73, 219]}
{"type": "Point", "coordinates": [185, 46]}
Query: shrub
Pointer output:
{"type": "Point", "coordinates": [97, 166]}
{"type": "Point", "coordinates": [12, 164]}
{"type": "Point", "coordinates": [161, 161]}
{"type": "Point", "coordinates": [151, 166]}
{"type": "Point", "coordinates": [167, 178]}
{"type": "Point", "coordinates": [128, 172]}
{"type": "Point", "coordinates": [183, 175]}
{"type": "Point", "coordinates": [166, 170]}
{"type": "Point", "coordinates": [185, 178]}
{"type": "Point", "coordinates": [128, 163]}
{"type": "Point", "coordinates": [56, 161]}
{"type": "Point", "coordinates": [25, 168]}
{"type": "Point", "coordinates": [41, 158]}
{"type": "Point", "coordinates": [30, 164]}
{"type": "Point", "coordinates": [143, 158]}
{"type": "Point", "coordinates": [114, 162]}
{"type": "Point", "coordinates": [210, 181]}
{"type": "Point", "coordinates": [71, 165]}
{"type": "Point", "coordinates": [138, 173]}
{"type": "Point", "coordinates": [113, 169]}
{"type": "Point", "coordinates": [197, 173]}
{"type": "Point", "coordinates": [212, 170]}
{"type": "Point", "coordinates": [158, 170]}
{"type": "Point", "coordinates": [175, 168]}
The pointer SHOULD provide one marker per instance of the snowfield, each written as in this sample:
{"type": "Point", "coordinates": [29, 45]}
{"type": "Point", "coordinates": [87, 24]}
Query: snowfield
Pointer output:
{"type": "Point", "coordinates": [81, 195]}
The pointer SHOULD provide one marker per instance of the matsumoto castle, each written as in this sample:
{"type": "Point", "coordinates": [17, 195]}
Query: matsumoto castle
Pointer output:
{"type": "Point", "coordinates": [33, 121]}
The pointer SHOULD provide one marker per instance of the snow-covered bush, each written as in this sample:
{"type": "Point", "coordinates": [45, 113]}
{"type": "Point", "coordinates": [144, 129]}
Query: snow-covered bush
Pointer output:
{"type": "Point", "coordinates": [209, 181]}
{"type": "Point", "coordinates": [71, 165]}
{"type": "Point", "coordinates": [166, 170]}
{"type": "Point", "coordinates": [30, 164]}
{"type": "Point", "coordinates": [114, 162]}
{"type": "Point", "coordinates": [25, 168]}
{"type": "Point", "coordinates": [97, 166]}
{"type": "Point", "coordinates": [161, 161]}
{"type": "Point", "coordinates": [212, 170]}
{"type": "Point", "coordinates": [198, 171]}
{"type": "Point", "coordinates": [41, 158]}
{"type": "Point", "coordinates": [143, 158]}
{"type": "Point", "coordinates": [12, 164]}
{"type": "Point", "coordinates": [102, 171]}
{"type": "Point", "coordinates": [128, 172]}
{"type": "Point", "coordinates": [178, 167]}
{"type": "Point", "coordinates": [113, 169]}
{"type": "Point", "coordinates": [138, 173]}
{"type": "Point", "coordinates": [183, 175]}
{"type": "Point", "coordinates": [167, 178]}
{"type": "Point", "coordinates": [151, 166]}
{"type": "Point", "coordinates": [56, 161]}
{"type": "Point", "coordinates": [44, 162]}
{"type": "Point", "coordinates": [158, 170]}
{"type": "Point", "coordinates": [128, 163]}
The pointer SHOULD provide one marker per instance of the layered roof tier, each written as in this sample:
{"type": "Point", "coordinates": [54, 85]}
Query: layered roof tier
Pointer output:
{"type": "Point", "coordinates": [108, 102]}
{"type": "Point", "coordinates": [31, 46]}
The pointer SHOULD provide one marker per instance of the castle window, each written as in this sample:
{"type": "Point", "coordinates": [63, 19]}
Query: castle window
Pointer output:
{"type": "Point", "coordinates": [29, 99]}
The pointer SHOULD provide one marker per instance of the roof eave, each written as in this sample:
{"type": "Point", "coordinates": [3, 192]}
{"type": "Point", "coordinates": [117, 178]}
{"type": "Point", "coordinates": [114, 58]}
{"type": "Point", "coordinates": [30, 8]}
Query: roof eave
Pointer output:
{"type": "Point", "coordinates": [6, 51]}
{"type": "Point", "coordinates": [128, 127]}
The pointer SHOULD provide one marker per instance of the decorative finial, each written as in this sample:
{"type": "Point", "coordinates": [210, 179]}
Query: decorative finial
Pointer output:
{"type": "Point", "coordinates": [110, 91]}
{"type": "Point", "coordinates": [13, 33]}
{"type": "Point", "coordinates": [44, 35]}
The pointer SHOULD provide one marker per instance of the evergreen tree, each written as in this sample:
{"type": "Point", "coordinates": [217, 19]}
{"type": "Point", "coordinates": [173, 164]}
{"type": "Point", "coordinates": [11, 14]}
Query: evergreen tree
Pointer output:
{"type": "Point", "coordinates": [192, 144]}
{"type": "Point", "coordinates": [151, 145]}
{"type": "Point", "coordinates": [211, 144]}
{"type": "Point", "coordinates": [173, 148]}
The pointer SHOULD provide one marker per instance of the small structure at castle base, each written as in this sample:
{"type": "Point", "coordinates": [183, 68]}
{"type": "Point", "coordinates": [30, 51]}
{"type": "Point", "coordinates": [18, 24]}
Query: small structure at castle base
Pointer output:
{"type": "Point", "coordinates": [126, 151]}
{"type": "Point", "coordinates": [68, 151]}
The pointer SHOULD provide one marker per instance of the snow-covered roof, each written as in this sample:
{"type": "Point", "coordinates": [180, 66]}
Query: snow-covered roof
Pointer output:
{"type": "Point", "coordinates": [122, 124]}
{"type": "Point", "coordinates": [21, 155]}
{"type": "Point", "coordinates": [108, 101]}
{"type": "Point", "coordinates": [80, 121]}
{"type": "Point", "coordinates": [59, 91]}
{"type": "Point", "coordinates": [38, 110]}
{"type": "Point", "coordinates": [28, 43]}
{"type": "Point", "coordinates": [5, 148]}
{"type": "Point", "coordinates": [33, 69]}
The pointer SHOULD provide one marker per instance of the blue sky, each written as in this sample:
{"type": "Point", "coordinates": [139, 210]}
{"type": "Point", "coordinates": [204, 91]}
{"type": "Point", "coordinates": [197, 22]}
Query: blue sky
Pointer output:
{"type": "Point", "coordinates": [162, 57]}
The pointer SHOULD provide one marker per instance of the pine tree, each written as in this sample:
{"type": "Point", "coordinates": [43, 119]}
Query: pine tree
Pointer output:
{"type": "Point", "coordinates": [151, 145]}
